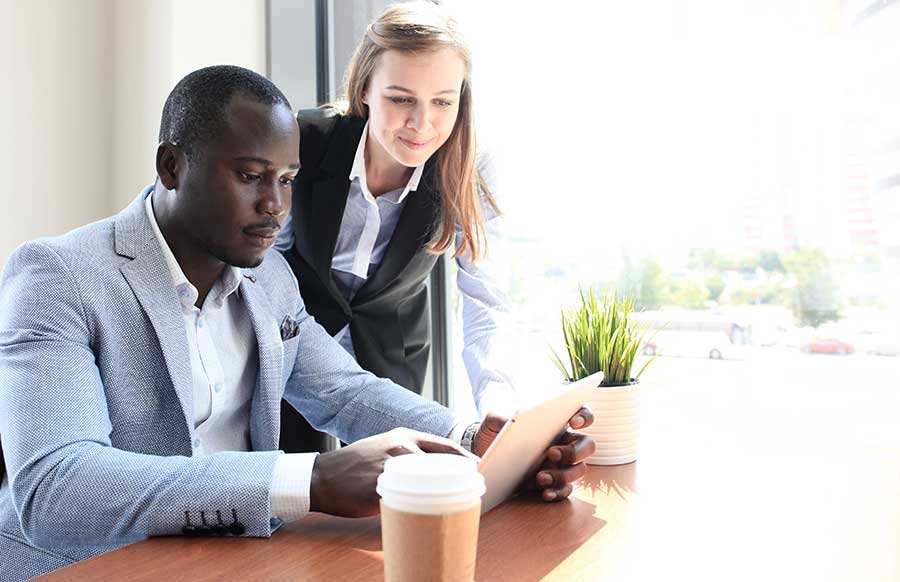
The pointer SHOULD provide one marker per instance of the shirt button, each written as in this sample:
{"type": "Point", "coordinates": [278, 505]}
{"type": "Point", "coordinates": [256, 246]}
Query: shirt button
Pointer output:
{"type": "Point", "coordinates": [197, 443]}
{"type": "Point", "coordinates": [199, 322]}
{"type": "Point", "coordinates": [217, 388]}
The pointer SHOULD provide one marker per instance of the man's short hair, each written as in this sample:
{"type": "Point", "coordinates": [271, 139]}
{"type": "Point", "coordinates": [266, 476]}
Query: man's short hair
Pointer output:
{"type": "Point", "coordinates": [194, 110]}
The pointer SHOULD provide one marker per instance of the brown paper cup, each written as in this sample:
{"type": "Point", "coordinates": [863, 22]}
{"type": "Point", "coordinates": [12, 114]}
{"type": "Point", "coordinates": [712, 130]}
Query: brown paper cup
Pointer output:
{"type": "Point", "coordinates": [430, 510]}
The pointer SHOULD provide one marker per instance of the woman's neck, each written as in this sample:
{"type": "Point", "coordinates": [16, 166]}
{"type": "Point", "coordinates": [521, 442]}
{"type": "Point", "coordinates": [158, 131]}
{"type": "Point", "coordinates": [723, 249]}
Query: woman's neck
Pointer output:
{"type": "Point", "coordinates": [383, 173]}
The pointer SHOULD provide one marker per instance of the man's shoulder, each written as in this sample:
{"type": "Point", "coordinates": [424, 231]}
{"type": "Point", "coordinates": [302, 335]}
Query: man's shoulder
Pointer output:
{"type": "Point", "coordinates": [51, 277]}
{"type": "Point", "coordinates": [91, 244]}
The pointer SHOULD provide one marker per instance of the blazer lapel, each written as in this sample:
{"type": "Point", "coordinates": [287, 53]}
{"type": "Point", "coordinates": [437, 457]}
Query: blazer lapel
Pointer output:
{"type": "Point", "coordinates": [265, 406]}
{"type": "Point", "coordinates": [149, 278]}
{"type": "Point", "coordinates": [326, 210]}
{"type": "Point", "coordinates": [323, 210]}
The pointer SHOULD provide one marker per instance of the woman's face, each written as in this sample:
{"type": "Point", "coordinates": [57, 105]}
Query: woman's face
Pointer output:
{"type": "Point", "coordinates": [413, 103]}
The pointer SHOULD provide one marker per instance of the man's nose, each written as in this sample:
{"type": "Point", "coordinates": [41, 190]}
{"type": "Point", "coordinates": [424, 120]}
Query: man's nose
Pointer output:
{"type": "Point", "coordinates": [271, 200]}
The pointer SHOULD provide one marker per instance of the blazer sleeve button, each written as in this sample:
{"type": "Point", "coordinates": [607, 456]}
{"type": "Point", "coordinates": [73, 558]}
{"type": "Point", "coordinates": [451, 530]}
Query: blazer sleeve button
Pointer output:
{"type": "Point", "coordinates": [219, 530]}
{"type": "Point", "coordinates": [237, 528]}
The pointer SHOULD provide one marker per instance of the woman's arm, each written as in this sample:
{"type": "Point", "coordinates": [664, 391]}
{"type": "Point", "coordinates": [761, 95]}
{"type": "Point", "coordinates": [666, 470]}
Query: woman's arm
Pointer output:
{"type": "Point", "coordinates": [488, 348]}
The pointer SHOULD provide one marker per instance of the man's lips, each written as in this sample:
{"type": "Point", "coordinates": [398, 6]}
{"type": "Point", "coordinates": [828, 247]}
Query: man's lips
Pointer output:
{"type": "Point", "coordinates": [264, 232]}
{"type": "Point", "coordinates": [264, 236]}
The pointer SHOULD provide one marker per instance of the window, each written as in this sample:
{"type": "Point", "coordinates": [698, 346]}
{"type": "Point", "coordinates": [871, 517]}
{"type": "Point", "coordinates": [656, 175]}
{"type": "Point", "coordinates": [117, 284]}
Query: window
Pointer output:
{"type": "Point", "coordinates": [732, 164]}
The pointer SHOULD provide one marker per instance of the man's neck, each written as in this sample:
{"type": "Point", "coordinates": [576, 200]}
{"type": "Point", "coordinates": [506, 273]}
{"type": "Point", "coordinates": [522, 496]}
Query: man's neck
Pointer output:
{"type": "Point", "coordinates": [199, 267]}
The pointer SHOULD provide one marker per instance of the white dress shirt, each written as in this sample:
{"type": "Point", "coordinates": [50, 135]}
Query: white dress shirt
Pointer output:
{"type": "Point", "coordinates": [367, 226]}
{"type": "Point", "coordinates": [224, 367]}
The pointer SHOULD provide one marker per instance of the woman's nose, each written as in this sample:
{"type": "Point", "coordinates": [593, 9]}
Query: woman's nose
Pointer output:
{"type": "Point", "coordinates": [418, 119]}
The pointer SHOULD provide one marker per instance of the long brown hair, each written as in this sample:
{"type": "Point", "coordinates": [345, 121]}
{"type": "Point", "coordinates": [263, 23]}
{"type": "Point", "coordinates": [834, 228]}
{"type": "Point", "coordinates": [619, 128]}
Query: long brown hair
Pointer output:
{"type": "Point", "coordinates": [414, 27]}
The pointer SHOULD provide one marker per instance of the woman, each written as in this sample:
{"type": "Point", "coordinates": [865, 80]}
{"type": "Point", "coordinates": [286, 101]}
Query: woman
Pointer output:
{"type": "Point", "coordinates": [388, 183]}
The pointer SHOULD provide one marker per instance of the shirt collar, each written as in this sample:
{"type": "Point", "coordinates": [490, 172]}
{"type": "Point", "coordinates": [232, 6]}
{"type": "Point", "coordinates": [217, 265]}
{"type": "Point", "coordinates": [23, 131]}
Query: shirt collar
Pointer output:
{"type": "Point", "coordinates": [359, 171]}
{"type": "Point", "coordinates": [227, 284]}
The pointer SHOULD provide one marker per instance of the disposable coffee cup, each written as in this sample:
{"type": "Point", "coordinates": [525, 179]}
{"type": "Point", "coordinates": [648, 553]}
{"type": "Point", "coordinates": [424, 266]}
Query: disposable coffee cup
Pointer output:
{"type": "Point", "coordinates": [430, 508]}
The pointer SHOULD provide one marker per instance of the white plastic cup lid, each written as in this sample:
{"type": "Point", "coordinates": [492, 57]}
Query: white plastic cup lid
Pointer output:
{"type": "Point", "coordinates": [431, 478]}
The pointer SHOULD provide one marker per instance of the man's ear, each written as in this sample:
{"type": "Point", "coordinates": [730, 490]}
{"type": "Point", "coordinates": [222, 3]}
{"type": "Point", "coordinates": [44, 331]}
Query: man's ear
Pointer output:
{"type": "Point", "coordinates": [170, 161]}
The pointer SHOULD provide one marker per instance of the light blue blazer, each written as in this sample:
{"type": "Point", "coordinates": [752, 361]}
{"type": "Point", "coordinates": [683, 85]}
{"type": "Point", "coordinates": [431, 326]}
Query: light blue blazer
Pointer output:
{"type": "Point", "coordinates": [96, 398]}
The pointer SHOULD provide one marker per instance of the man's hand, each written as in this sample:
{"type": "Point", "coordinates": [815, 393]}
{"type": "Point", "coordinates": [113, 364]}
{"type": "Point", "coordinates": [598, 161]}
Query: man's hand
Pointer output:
{"type": "Point", "coordinates": [564, 461]}
{"type": "Point", "coordinates": [343, 481]}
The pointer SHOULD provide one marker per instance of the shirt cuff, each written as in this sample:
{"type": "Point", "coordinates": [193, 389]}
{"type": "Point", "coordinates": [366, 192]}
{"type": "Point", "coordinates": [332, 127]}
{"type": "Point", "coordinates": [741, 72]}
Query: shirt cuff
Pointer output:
{"type": "Point", "coordinates": [289, 490]}
{"type": "Point", "coordinates": [458, 429]}
{"type": "Point", "coordinates": [499, 398]}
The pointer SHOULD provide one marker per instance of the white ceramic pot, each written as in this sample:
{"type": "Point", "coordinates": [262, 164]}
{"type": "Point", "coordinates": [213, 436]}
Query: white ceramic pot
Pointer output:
{"type": "Point", "coordinates": [615, 427]}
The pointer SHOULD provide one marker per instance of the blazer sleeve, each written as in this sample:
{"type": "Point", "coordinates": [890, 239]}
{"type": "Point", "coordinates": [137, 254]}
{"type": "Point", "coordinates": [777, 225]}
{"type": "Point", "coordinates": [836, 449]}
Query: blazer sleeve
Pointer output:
{"type": "Point", "coordinates": [70, 486]}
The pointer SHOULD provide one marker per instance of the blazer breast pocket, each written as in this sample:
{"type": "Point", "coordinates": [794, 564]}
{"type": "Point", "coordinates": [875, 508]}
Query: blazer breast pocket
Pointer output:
{"type": "Point", "coordinates": [289, 351]}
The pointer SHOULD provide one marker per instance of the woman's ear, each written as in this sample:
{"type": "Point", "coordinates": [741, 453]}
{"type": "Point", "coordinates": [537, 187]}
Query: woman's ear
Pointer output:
{"type": "Point", "coordinates": [364, 97]}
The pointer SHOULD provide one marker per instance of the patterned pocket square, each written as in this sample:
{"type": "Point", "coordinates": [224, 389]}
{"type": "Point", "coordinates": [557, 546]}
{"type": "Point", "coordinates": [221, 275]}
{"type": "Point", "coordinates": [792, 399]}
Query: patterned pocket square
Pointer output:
{"type": "Point", "coordinates": [289, 328]}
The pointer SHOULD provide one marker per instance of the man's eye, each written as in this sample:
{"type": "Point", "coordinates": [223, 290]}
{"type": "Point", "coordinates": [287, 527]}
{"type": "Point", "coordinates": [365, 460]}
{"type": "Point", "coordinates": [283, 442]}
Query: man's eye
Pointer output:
{"type": "Point", "coordinates": [286, 182]}
{"type": "Point", "coordinates": [248, 177]}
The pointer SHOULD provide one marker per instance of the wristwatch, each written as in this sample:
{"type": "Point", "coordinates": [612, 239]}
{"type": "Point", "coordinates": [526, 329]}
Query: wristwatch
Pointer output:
{"type": "Point", "coordinates": [469, 436]}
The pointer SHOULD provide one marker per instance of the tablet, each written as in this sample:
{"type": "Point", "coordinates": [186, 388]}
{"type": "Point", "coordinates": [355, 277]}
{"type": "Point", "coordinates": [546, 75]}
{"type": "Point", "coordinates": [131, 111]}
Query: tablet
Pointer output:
{"type": "Point", "coordinates": [519, 449]}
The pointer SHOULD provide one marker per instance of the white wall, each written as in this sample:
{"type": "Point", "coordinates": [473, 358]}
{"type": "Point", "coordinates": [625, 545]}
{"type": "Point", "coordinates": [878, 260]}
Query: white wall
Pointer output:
{"type": "Point", "coordinates": [156, 43]}
{"type": "Point", "coordinates": [83, 87]}
{"type": "Point", "coordinates": [54, 131]}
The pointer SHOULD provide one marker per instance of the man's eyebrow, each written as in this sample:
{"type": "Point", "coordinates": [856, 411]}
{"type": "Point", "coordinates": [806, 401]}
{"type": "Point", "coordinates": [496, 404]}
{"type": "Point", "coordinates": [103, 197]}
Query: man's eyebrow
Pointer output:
{"type": "Point", "coordinates": [263, 161]}
{"type": "Point", "coordinates": [411, 92]}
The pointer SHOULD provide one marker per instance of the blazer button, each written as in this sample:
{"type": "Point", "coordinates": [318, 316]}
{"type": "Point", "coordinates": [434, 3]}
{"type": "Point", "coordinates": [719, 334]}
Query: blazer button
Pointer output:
{"type": "Point", "coordinates": [218, 530]}
{"type": "Point", "coordinates": [237, 528]}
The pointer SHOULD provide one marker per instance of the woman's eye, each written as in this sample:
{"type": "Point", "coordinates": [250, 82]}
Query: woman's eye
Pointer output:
{"type": "Point", "coordinates": [401, 100]}
{"type": "Point", "coordinates": [443, 103]}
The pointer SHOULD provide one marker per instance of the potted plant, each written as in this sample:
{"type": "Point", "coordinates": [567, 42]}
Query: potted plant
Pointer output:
{"type": "Point", "coordinates": [600, 335]}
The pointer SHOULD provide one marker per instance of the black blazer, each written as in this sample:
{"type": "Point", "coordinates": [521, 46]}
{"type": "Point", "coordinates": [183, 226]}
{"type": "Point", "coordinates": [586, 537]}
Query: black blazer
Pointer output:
{"type": "Point", "coordinates": [389, 317]}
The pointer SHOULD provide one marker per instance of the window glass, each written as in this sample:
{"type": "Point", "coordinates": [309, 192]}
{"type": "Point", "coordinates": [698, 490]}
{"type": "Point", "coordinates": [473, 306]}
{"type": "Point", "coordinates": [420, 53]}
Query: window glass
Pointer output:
{"type": "Point", "coordinates": [733, 165]}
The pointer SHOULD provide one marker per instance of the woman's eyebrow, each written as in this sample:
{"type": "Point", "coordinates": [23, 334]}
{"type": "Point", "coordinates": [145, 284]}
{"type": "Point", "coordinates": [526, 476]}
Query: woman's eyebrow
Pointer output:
{"type": "Point", "coordinates": [411, 92]}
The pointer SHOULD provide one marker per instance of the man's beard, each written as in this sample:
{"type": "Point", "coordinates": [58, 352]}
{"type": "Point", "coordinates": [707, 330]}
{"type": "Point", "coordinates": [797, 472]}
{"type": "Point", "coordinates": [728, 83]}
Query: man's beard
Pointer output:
{"type": "Point", "coordinates": [229, 258]}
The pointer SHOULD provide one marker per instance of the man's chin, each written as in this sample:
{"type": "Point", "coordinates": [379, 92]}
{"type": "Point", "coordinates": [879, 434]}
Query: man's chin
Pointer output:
{"type": "Point", "coordinates": [246, 262]}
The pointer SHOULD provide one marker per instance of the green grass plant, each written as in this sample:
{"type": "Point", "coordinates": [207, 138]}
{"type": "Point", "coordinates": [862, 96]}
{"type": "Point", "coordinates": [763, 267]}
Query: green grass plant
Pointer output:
{"type": "Point", "coordinates": [600, 335]}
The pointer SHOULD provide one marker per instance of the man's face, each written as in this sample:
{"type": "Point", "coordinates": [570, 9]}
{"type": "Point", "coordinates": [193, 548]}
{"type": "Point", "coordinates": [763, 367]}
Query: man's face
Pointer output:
{"type": "Point", "coordinates": [235, 192]}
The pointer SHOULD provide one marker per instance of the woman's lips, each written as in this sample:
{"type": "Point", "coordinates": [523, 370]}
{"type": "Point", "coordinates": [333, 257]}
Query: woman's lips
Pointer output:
{"type": "Point", "coordinates": [414, 145]}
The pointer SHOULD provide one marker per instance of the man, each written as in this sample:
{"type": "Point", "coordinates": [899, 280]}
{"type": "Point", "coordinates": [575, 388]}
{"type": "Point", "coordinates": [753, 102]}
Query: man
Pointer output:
{"type": "Point", "coordinates": [143, 359]}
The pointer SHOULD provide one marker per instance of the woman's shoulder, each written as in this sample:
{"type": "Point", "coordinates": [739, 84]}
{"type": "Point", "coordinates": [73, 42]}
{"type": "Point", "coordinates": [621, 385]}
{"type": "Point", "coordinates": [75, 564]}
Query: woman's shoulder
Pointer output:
{"type": "Point", "coordinates": [324, 127]}
{"type": "Point", "coordinates": [323, 121]}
